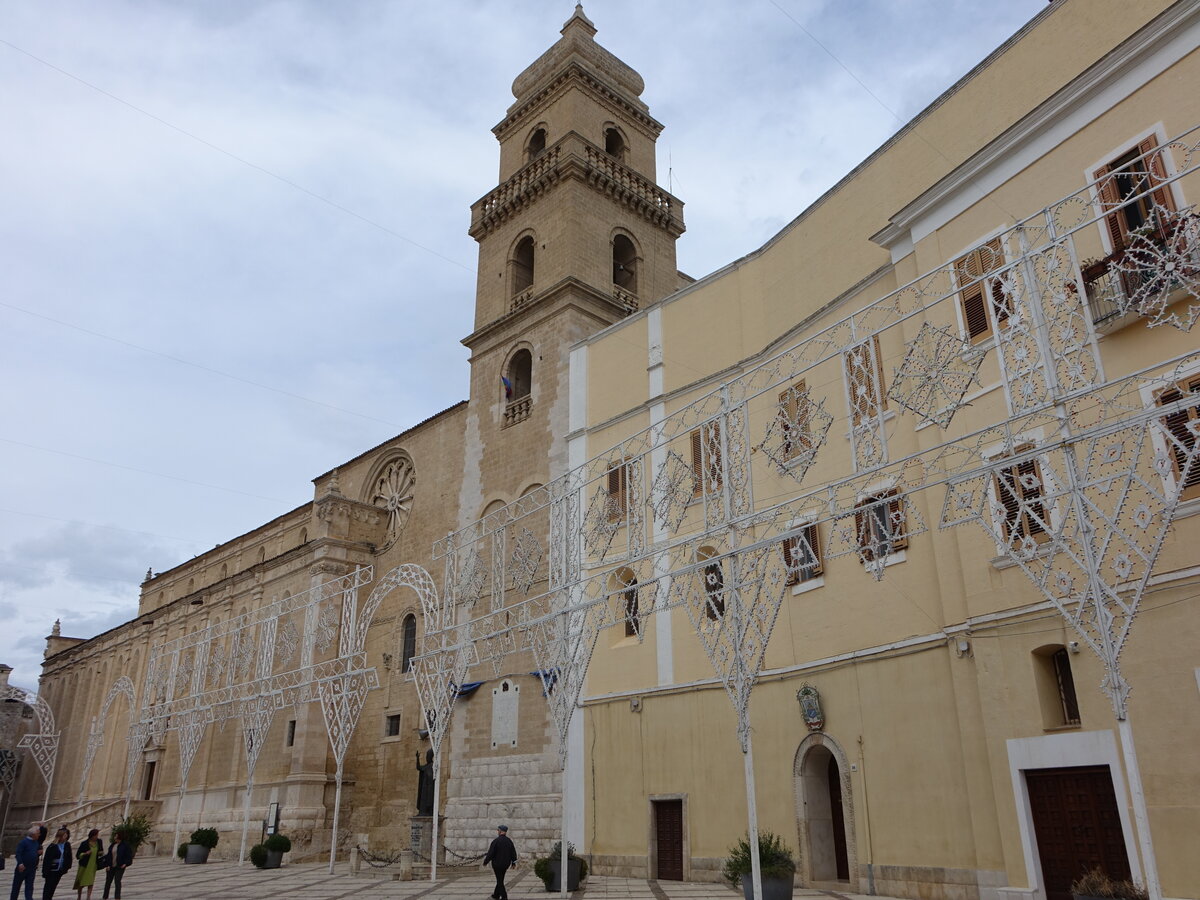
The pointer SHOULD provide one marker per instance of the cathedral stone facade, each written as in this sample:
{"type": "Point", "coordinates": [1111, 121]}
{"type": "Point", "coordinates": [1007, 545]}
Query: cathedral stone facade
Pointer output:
{"type": "Point", "coordinates": [574, 238]}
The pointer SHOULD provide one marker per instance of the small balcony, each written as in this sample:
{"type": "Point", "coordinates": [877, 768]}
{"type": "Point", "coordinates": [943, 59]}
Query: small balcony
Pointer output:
{"type": "Point", "coordinates": [517, 410]}
{"type": "Point", "coordinates": [1115, 284]}
{"type": "Point", "coordinates": [626, 299]}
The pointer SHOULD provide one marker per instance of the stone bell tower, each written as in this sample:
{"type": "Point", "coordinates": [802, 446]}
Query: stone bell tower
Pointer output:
{"type": "Point", "coordinates": [576, 236]}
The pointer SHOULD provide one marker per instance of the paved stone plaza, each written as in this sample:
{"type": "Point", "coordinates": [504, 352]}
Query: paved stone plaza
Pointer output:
{"type": "Point", "coordinates": [163, 879]}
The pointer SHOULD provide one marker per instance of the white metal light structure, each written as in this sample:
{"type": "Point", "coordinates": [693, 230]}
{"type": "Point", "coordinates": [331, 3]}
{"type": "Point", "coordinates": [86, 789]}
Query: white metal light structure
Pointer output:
{"type": "Point", "coordinates": [1091, 465]}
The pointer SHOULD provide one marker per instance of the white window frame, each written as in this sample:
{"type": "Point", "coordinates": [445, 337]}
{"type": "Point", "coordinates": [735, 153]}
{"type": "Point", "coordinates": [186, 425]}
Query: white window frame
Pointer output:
{"type": "Point", "coordinates": [873, 492]}
{"type": "Point", "coordinates": [984, 345]}
{"type": "Point", "coordinates": [1149, 391]}
{"type": "Point", "coordinates": [1000, 450]}
{"type": "Point", "coordinates": [802, 586]}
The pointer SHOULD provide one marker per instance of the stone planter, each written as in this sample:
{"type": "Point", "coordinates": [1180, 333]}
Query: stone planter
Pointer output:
{"type": "Point", "coordinates": [574, 866]}
{"type": "Point", "coordinates": [274, 859]}
{"type": "Point", "coordinates": [196, 853]}
{"type": "Point", "coordinates": [772, 888]}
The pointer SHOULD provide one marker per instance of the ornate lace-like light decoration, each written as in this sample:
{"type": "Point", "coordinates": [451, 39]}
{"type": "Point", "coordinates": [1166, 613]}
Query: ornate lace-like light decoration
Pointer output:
{"type": "Point", "coordinates": [1161, 268]}
{"type": "Point", "coordinates": [875, 531]}
{"type": "Point", "coordinates": [735, 636]}
{"type": "Point", "coordinates": [526, 560]}
{"type": "Point", "coordinates": [604, 517]}
{"type": "Point", "coordinates": [673, 489]}
{"type": "Point", "coordinates": [796, 432]}
{"type": "Point", "coordinates": [217, 663]}
{"type": "Point", "coordinates": [937, 371]}
{"type": "Point", "coordinates": [287, 642]}
{"type": "Point", "coordinates": [472, 578]}
{"type": "Point", "coordinates": [327, 628]}
{"type": "Point", "coordinates": [394, 489]}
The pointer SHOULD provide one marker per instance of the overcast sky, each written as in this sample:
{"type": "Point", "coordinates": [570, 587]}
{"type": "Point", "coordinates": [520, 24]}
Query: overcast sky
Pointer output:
{"type": "Point", "coordinates": [233, 247]}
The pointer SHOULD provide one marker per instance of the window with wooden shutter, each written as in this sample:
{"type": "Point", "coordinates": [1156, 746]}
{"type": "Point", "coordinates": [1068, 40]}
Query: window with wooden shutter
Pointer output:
{"type": "Point", "coordinates": [793, 421]}
{"type": "Point", "coordinates": [802, 555]}
{"type": "Point", "coordinates": [981, 298]}
{"type": "Point", "coordinates": [1183, 425]}
{"type": "Point", "coordinates": [867, 386]}
{"type": "Point", "coordinates": [1129, 187]}
{"type": "Point", "coordinates": [1020, 491]}
{"type": "Point", "coordinates": [880, 523]}
{"type": "Point", "coordinates": [618, 491]}
{"type": "Point", "coordinates": [706, 458]}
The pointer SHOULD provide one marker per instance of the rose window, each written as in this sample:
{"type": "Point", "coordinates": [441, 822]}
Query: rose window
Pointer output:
{"type": "Point", "coordinates": [394, 493]}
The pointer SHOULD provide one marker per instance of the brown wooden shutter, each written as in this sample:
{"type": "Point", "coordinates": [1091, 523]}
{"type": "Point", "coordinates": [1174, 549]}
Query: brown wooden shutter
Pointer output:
{"type": "Point", "coordinates": [1177, 424]}
{"type": "Point", "coordinates": [1006, 493]}
{"type": "Point", "coordinates": [697, 462]}
{"type": "Point", "coordinates": [712, 471]}
{"type": "Point", "coordinates": [1110, 199]}
{"type": "Point", "coordinates": [1156, 166]}
{"type": "Point", "coordinates": [813, 534]}
{"type": "Point", "coordinates": [1034, 513]}
{"type": "Point", "coordinates": [897, 522]}
{"type": "Point", "coordinates": [789, 561]}
{"type": "Point", "coordinates": [863, 530]}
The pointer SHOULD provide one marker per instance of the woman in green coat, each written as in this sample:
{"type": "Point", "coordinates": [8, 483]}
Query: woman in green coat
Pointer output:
{"type": "Point", "coordinates": [89, 859]}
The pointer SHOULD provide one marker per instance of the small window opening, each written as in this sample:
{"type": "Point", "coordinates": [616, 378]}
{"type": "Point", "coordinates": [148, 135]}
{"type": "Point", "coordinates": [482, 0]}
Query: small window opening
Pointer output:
{"type": "Point", "coordinates": [536, 146]}
{"type": "Point", "coordinates": [522, 265]}
{"type": "Point", "coordinates": [1056, 686]}
{"type": "Point", "coordinates": [391, 725]}
{"type": "Point", "coordinates": [520, 375]}
{"type": "Point", "coordinates": [291, 733]}
{"type": "Point", "coordinates": [614, 144]}
{"type": "Point", "coordinates": [504, 686]}
{"type": "Point", "coordinates": [409, 646]}
{"type": "Point", "coordinates": [881, 527]}
{"type": "Point", "coordinates": [802, 555]}
{"type": "Point", "coordinates": [625, 264]}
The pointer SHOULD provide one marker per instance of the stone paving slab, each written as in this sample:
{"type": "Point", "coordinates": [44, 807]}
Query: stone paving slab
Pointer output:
{"type": "Point", "coordinates": [160, 878]}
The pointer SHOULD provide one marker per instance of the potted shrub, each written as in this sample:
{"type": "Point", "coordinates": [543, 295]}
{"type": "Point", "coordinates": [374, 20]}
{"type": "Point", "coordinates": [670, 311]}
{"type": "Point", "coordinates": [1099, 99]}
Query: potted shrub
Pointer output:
{"type": "Point", "coordinates": [258, 855]}
{"type": "Point", "coordinates": [202, 841]}
{"type": "Point", "coordinates": [277, 845]}
{"type": "Point", "coordinates": [135, 828]}
{"type": "Point", "coordinates": [1096, 884]}
{"type": "Point", "coordinates": [548, 868]}
{"type": "Point", "coordinates": [778, 867]}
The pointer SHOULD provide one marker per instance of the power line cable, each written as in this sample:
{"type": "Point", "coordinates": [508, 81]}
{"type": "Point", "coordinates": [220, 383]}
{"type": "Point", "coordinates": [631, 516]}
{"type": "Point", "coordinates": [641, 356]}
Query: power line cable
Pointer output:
{"type": "Point", "coordinates": [235, 157]}
{"type": "Point", "coordinates": [166, 537]}
{"type": "Point", "coordinates": [201, 366]}
{"type": "Point", "coordinates": [115, 465]}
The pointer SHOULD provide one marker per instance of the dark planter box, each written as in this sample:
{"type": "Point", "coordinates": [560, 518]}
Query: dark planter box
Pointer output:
{"type": "Point", "coordinates": [772, 888]}
{"type": "Point", "coordinates": [196, 853]}
{"type": "Point", "coordinates": [274, 859]}
{"type": "Point", "coordinates": [574, 866]}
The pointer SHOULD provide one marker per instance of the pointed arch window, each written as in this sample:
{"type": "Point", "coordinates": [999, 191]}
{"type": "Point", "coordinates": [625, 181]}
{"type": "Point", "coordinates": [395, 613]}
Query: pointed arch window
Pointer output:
{"type": "Point", "coordinates": [408, 642]}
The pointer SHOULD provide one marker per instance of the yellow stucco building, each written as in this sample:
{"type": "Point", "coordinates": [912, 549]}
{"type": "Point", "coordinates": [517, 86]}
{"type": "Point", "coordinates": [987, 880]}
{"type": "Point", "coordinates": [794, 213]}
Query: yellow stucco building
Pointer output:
{"type": "Point", "coordinates": [873, 519]}
{"type": "Point", "coordinates": [910, 434]}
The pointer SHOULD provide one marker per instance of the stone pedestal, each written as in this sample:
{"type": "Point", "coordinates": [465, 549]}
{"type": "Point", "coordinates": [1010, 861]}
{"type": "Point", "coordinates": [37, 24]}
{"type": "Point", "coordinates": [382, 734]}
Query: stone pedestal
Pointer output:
{"type": "Point", "coordinates": [422, 838]}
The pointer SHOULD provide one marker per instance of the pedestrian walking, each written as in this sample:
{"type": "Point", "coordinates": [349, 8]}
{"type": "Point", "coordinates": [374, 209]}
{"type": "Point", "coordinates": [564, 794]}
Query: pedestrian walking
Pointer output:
{"type": "Point", "coordinates": [26, 859]}
{"type": "Point", "coordinates": [88, 855]}
{"type": "Point", "coordinates": [55, 863]}
{"type": "Point", "coordinates": [501, 854]}
{"type": "Point", "coordinates": [118, 858]}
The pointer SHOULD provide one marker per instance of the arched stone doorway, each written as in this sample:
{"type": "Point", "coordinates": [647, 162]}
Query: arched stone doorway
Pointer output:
{"type": "Point", "coordinates": [825, 814]}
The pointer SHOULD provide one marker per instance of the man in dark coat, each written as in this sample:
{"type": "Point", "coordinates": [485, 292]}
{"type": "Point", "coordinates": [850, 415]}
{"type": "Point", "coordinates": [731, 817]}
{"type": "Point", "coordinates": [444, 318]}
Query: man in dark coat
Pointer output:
{"type": "Point", "coordinates": [501, 854]}
{"type": "Point", "coordinates": [26, 859]}
{"type": "Point", "coordinates": [55, 863]}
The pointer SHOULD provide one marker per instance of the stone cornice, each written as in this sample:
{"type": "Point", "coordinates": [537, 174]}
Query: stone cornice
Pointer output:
{"type": "Point", "coordinates": [1143, 44]}
{"type": "Point", "coordinates": [577, 295]}
{"type": "Point", "coordinates": [573, 157]}
{"type": "Point", "coordinates": [576, 75]}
